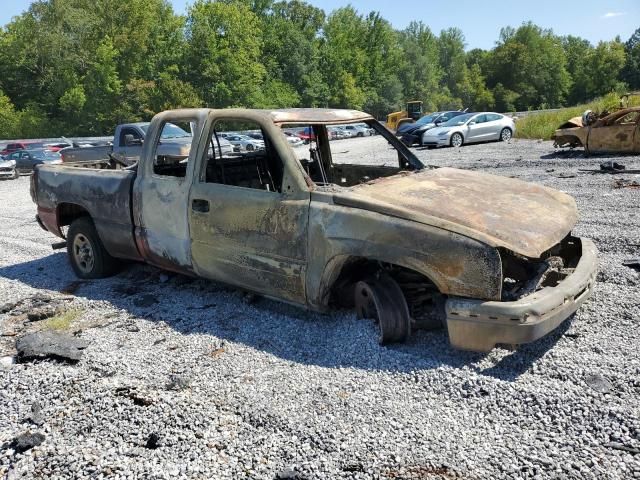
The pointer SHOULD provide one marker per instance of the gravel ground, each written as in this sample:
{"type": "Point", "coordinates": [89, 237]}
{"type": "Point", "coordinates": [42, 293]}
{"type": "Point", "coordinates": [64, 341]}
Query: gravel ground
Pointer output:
{"type": "Point", "coordinates": [189, 379]}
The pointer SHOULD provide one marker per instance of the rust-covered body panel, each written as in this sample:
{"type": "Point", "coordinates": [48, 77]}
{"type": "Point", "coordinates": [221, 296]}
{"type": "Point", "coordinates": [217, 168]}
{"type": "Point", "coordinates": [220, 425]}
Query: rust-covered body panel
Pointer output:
{"type": "Point", "coordinates": [608, 134]}
{"type": "Point", "coordinates": [523, 217]}
{"type": "Point", "coordinates": [457, 264]}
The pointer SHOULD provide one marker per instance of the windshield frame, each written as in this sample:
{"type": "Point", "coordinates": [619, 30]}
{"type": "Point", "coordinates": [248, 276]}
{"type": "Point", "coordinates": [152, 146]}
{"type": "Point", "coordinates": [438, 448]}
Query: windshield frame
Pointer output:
{"type": "Point", "coordinates": [430, 118]}
{"type": "Point", "coordinates": [458, 120]}
{"type": "Point", "coordinates": [171, 126]}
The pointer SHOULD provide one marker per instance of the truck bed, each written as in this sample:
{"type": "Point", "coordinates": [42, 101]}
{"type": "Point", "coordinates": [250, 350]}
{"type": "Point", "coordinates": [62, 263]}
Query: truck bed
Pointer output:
{"type": "Point", "coordinates": [104, 193]}
{"type": "Point", "coordinates": [82, 154]}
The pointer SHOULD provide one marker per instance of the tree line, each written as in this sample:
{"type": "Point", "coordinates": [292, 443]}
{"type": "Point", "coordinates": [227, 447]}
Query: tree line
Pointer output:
{"type": "Point", "coordinates": [79, 67]}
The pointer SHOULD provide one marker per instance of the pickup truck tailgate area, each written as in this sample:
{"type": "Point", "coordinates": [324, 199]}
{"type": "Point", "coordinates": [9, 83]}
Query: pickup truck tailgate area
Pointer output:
{"type": "Point", "coordinates": [104, 194]}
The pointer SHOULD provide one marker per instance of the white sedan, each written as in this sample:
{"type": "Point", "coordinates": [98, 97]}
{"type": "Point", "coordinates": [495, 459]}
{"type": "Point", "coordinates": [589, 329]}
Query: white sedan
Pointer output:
{"type": "Point", "coordinates": [245, 143]}
{"type": "Point", "coordinates": [293, 139]}
{"type": "Point", "coordinates": [470, 128]}
{"type": "Point", "coordinates": [8, 169]}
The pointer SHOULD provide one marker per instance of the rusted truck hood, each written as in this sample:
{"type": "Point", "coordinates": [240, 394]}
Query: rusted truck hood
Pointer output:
{"type": "Point", "coordinates": [523, 217]}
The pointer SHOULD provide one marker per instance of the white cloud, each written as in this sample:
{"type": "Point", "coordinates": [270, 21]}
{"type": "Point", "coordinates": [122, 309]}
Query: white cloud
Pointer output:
{"type": "Point", "coordinates": [613, 14]}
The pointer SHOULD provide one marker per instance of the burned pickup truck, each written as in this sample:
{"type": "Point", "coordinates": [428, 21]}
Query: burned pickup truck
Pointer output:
{"type": "Point", "coordinates": [606, 133]}
{"type": "Point", "coordinates": [365, 226]}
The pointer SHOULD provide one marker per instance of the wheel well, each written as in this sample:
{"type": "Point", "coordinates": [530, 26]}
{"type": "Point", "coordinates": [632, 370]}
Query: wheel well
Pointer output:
{"type": "Point", "coordinates": [571, 141]}
{"type": "Point", "coordinates": [68, 212]}
{"type": "Point", "coordinates": [421, 293]}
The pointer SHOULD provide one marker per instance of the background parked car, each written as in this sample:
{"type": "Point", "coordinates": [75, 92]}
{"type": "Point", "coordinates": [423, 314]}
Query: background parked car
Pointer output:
{"type": "Point", "coordinates": [26, 160]}
{"type": "Point", "coordinates": [245, 143]}
{"type": "Point", "coordinates": [306, 134]}
{"type": "Point", "coordinates": [411, 133]}
{"type": "Point", "coordinates": [255, 135]}
{"type": "Point", "coordinates": [13, 147]}
{"type": "Point", "coordinates": [223, 146]}
{"type": "Point", "coordinates": [337, 133]}
{"type": "Point", "coordinates": [56, 147]}
{"type": "Point", "coordinates": [358, 130]}
{"type": "Point", "coordinates": [8, 170]}
{"type": "Point", "coordinates": [293, 139]}
{"type": "Point", "coordinates": [470, 128]}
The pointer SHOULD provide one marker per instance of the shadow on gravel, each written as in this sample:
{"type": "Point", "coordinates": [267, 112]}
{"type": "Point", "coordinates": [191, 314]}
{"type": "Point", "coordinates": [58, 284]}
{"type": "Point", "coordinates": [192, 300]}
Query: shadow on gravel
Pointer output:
{"type": "Point", "coordinates": [196, 306]}
{"type": "Point", "coordinates": [583, 155]}
{"type": "Point", "coordinates": [510, 367]}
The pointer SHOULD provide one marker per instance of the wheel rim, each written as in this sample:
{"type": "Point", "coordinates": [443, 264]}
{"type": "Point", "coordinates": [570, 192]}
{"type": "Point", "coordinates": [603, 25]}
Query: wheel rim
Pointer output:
{"type": "Point", "coordinates": [249, 147]}
{"type": "Point", "coordinates": [506, 135]}
{"type": "Point", "coordinates": [456, 140]}
{"type": "Point", "coordinates": [83, 253]}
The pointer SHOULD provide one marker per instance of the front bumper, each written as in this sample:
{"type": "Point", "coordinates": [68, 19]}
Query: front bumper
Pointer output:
{"type": "Point", "coordinates": [7, 174]}
{"type": "Point", "coordinates": [479, 325]}
{"type": "Point", "coordinates": [435, 141]}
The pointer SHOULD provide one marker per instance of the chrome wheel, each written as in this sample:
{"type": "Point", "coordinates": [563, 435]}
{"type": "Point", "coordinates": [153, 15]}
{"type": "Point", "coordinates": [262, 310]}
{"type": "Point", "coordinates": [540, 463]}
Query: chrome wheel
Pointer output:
{"type": "Point", "coordinates": [83, 253]}
{"type": "Point", "coordinates": [456, 140]}
{"type": "Point", "coordinates": [505, 135]}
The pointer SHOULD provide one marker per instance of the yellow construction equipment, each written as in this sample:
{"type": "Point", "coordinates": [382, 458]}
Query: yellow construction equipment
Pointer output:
{"type": "Point", "coordinates": [411, 114]}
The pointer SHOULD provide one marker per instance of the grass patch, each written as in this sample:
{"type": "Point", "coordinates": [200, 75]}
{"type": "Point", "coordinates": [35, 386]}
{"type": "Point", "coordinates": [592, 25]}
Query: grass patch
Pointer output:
{"type": "Point", "coordinates": [63, 320]}
{"type": "Point", "coordinates": [543, 125]}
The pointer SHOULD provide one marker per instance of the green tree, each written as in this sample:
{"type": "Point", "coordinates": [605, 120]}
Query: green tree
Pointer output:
{"type": "Point", "coordinates": [344, 62]}
{"type": "Point", "coordinates": [291, 55]}
{"type": "Point", "coordinates": [604, 65]}
{"type": "Point", "coordinates": [8, 118]}
{"type": "Point", "coordinates": [103, 87]}
{"type": "Point", "coordinates": [531, 62]}
{"type": "Point", "coordinates": [224, 44]}
{"type": "Point", "coordinates": [631, 71]}
{"type": "Point", "coordinates": [420, 71]}
{"type": "Point", "coordinates": [577, 51]}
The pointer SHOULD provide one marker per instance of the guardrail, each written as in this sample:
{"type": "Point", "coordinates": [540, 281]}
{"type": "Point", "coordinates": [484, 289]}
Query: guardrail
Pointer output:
{"type": "Point", "coordinates": [532, 112]}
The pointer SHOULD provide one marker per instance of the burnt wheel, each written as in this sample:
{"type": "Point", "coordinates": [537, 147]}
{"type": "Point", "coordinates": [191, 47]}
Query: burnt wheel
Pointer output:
{"type": "Point", "coordinates": [382, 300]}
{"type": "Point", "coordinates": [87, 255]}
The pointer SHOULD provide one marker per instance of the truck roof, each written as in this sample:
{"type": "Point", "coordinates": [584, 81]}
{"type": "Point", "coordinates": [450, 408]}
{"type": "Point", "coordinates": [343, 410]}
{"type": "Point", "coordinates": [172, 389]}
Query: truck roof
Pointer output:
{"type": "Point", "coordinates": [291, 116]}
{"type": "Point", "coordinates": [317, 115]}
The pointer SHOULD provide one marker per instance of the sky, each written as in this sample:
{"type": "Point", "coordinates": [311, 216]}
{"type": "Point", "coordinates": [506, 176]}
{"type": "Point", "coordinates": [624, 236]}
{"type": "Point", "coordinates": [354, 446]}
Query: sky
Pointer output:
{"type": "Point", "coordinates": [479, 20]}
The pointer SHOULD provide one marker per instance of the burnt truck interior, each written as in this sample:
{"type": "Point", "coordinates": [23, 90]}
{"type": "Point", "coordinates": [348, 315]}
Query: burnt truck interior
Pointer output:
{"type": "Point", "coordinates": [255, 162]}
{"type": "Point", "coordinates": [328, 163]}
{"type": "Point", "coordinates": [260, 166]}
{"type": "Point", "coordinates": [250, 162]}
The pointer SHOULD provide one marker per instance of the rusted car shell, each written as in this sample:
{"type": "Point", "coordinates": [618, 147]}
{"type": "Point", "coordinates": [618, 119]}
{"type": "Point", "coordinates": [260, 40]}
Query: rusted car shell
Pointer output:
{"type": "Point", "coordinates": [602, 135]}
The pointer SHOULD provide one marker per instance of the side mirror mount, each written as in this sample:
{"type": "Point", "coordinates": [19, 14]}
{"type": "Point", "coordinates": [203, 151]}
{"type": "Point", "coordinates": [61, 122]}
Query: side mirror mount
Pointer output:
{"type": "Point", "coordinates": [130, 141]}
{"type": "Point", "coordinates": [472, 122]}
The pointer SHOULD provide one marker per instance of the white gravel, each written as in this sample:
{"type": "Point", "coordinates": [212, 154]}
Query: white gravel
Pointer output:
{"type": "Point", "coordinates": [264, 390]}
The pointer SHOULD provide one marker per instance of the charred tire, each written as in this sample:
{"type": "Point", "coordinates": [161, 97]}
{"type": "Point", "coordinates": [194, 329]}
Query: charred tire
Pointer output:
{"type": "Point", "coordinates": [87, 255]}
{"type": "Point", "coordinates": [506, 134]}
{"type": "Point", "coordinates": [456, 140]}
{"type": "Point", "coordinates": [382, 300]}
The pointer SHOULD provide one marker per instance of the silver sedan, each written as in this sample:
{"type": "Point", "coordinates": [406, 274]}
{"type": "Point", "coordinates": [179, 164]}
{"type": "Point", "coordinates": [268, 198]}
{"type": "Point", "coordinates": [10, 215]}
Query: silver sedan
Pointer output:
{"type": "Point", "coordinates": [470, 128]}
